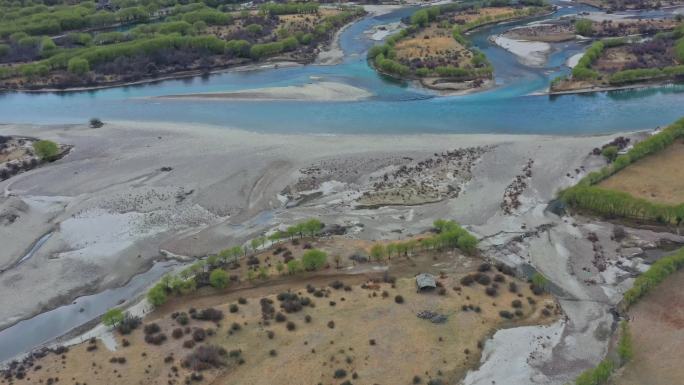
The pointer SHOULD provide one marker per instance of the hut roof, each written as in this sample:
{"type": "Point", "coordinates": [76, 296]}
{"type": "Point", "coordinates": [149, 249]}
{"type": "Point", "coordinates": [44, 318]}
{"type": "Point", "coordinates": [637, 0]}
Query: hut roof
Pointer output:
{"type": "Point", "coordinates": [426, 281]}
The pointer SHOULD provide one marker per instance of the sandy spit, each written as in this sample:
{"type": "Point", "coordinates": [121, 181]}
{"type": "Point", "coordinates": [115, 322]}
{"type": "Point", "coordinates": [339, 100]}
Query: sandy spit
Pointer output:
{"type": "Point", "coordinates": [320, 91]}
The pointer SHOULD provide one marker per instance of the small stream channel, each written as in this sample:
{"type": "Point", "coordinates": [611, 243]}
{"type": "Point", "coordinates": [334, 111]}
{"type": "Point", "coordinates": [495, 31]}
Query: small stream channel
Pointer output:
{"type": "Point", "coordinates": [29, 334]}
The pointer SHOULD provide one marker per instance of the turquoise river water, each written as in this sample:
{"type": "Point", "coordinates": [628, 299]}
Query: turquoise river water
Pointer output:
{"type": "Point", "coordinates": [396, 107]}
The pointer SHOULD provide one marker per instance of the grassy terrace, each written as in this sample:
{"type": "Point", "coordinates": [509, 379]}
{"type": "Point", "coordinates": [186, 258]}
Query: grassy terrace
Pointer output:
{"type": "Point", "coordinates": [623, 62]}
{"type": "Point", "coordinates": [622, 5]}
{"type": "Point", "coordinates": [605, 193]}
{"type": "Point", "coordinates": [62, 45]}
{"type": "Point", "coordinates": [333, 321]}
{"type": "Point", "coordinates": [434, 47]}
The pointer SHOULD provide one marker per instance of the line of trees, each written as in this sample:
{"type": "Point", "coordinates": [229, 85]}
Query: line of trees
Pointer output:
{"type": "Point", "coordinates": [582, 70]}
{"type": "Point", "coordinates": [656, 274]}
{"type": "Point", "coordinates": [450, 235]}
{"type": "Point", "coordinates": [211, 271]}
{"type": "Point", "coordinates": [587, 196]}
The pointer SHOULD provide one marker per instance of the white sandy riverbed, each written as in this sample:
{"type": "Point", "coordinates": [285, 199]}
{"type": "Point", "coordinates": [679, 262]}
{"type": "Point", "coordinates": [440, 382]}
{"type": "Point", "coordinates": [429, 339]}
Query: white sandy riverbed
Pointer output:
{"type": "Point", "coordinates": [318, 91]}
{"type": "Point", "coordinates": [529, 53]}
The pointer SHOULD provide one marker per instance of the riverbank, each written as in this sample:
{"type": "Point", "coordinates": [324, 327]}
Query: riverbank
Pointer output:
{"type": "Point", "coordinates": [318, 91]}
{"type": "Point", "coordinates": [593, 89]}
{"type": "Point", "coordinates": [122, 211]}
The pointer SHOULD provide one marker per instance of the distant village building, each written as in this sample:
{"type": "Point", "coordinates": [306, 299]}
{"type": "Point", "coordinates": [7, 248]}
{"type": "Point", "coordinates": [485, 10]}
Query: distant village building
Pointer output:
{"type": "Point", "coordinates": [425, 281]}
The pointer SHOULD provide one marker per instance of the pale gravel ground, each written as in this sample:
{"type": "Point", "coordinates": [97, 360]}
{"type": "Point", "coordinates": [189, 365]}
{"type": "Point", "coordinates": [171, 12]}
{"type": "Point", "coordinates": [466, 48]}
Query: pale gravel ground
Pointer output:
{"type": "Point", "coordinates": [529, 53]}
{"type": "Point", "coordinates": [229, 182]}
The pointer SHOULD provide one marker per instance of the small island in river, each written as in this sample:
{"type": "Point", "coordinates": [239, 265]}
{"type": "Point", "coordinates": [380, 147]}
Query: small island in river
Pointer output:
{"type": "Point", "coordinates": [626, 62]}
{"type": "Point", "coordinates": [434, 48]}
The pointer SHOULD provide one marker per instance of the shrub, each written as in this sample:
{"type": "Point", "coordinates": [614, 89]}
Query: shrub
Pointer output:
{"type": "Point", "coordinates": [209, 314]}
{"type": "Point", "coordinates": [46, 149]}
{"type": "Point", "coordinates": [199, 335]}
{"type": "Point", "coordinates": [610, 153]}
{"type": "Point", "coordinates": [233, 308]}
{"type": "Point", "coordinates": [399, 299]}
{"type": "Point", "coordinates": [205, 357]}
{"type": "Point", "coordinates": [280, 317]}
{"type": "Point", "coordinates": [95, 123]}
{"type": "Point", "coordinates": [506, 314]}
{"type": "Point", "coordinates": [483, 279]}
{"type": "Point", "coordinates": [177, 333]}
{"type": "Point", "coordinates": [182, 319]}
{"type": "Point", "coordinates": [151, 328]}
{"type": "Point", "coordinates": [128, 324]}
{"type": "Point", "coordinates": [155, 339]}
{"type": "Point", "coordinates": [491, 291]}
{"type": "Point", "coordinates": [340, 373]}
{"type": "Point", "coordinates": [242, 301]}
{"type": "Point", "coordinates": [516, 303]}
{"type": "Point", "coordinates": [331, 324]}
{"type": "Point", "coordinates": [467, 280]}
{"type": "Point", "coordinates": [291, 326]}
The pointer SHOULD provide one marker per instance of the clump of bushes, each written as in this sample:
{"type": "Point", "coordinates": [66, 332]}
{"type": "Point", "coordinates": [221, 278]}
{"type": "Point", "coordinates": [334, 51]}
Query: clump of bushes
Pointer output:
{"type": "Point", "coordinates": [483, 279]}
{"type": "Point", "coordinates": [205, 357]}
{"type": "Point", "coordinates": [151, 328]}
{"type": "Point", "coordinates": [199, 335]}
{"type": "Point", "coordinates": [209, 314]}
{"type": "Point", "coordinates": [155, 339]}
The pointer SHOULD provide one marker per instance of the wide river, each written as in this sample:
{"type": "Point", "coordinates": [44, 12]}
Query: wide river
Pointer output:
{"type": "Point", "coordinates": [395, 107]}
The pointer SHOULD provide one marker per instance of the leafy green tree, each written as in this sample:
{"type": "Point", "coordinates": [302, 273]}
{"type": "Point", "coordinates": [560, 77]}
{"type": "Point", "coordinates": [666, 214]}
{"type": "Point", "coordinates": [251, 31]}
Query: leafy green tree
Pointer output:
{"type": "Point", "coordinates": [314, 259]}
{"type": "Point", "coordinates": [294, 266]}
{"type": "Point", "coordinates": [46, 149]}
{"type": "Point", "coordinates": [610, 153]}
{"type": "Point", "coordinates": [377, 252]}
{"type": "Point", "coordinates": [420, 18]}
{"type": "Point", "coordinates": [113, 317]}
{"type": "Point", "coordinates": [157, 295]}
{"type": "Point", "coordinates": [263, 272]}
{"type": "Point", "coordinates": [78, 66]}
{"type": "Point", "coordinates": [218, 278]}
{"type": "Point", "coordinates": [540, 281]}
{"type": "Point", "coordinates": [584, 27]}
{"type": "Point", "coordinates": [312, 227]}
{"type": "Point", "coordinates": [467, 243]}
{"type": "Point", "coordinates": [280, 267]}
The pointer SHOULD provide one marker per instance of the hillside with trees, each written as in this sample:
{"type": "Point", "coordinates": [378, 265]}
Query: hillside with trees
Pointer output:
{"type": "Point", "coordinates": [95, 44]}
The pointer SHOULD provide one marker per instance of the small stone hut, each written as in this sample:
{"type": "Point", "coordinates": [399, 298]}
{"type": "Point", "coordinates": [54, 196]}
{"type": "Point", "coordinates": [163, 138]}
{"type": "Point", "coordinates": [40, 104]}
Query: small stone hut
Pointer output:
{"type": "Point", "coordinates": [425, 282]}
